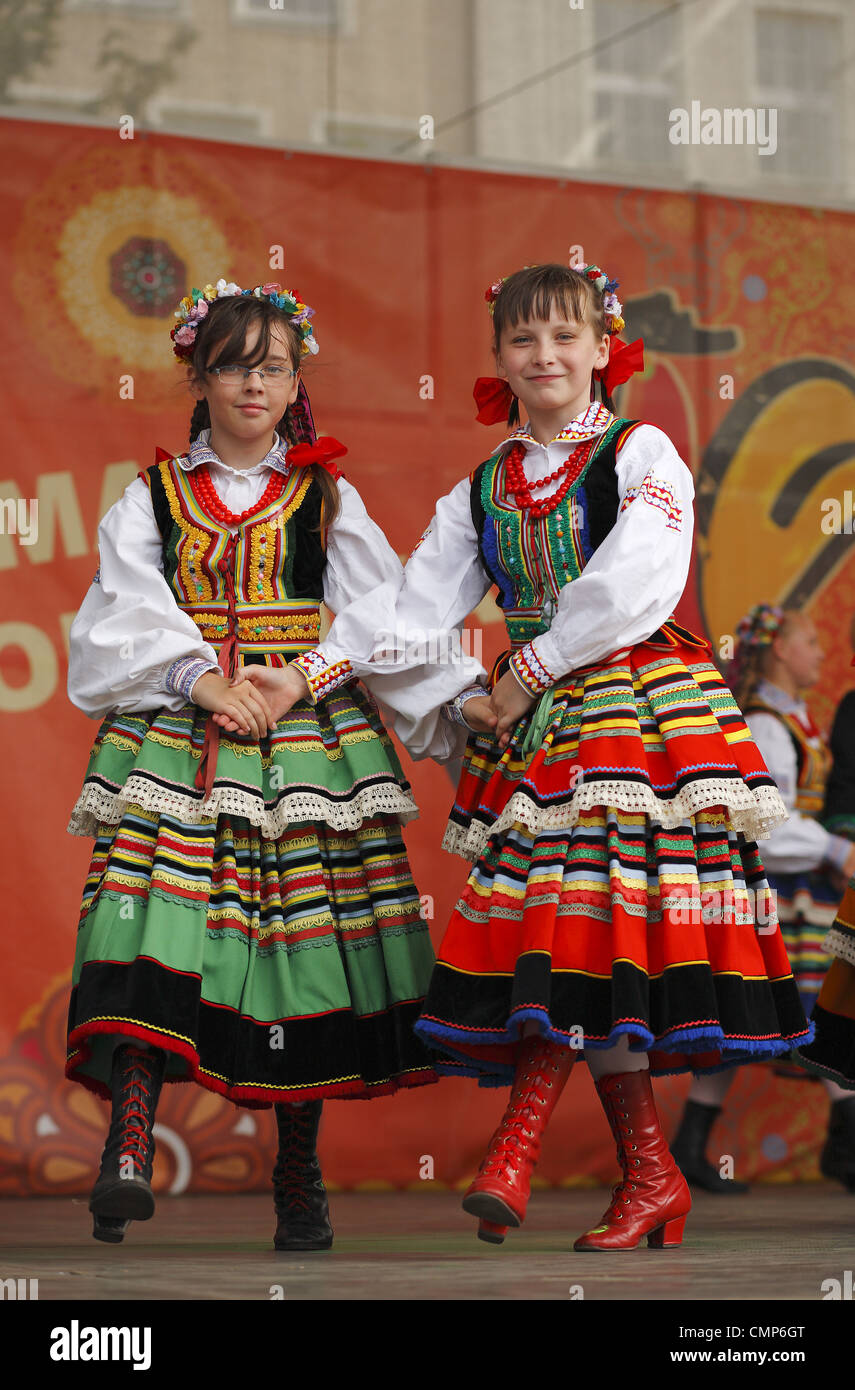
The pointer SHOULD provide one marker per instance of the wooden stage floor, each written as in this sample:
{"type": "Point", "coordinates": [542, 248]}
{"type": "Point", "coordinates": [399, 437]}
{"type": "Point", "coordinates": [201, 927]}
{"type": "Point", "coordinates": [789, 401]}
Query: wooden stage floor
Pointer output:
{"type": "Point", "coordinates": [777, 1243]}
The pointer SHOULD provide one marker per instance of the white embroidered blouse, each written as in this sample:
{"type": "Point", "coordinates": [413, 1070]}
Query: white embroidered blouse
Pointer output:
{"type": "Point", "coordinates": [801, 843]}
{"type": "Point", "coordinates": [628, 588]}
{"type": "Point", "coordinates": [133, 649]}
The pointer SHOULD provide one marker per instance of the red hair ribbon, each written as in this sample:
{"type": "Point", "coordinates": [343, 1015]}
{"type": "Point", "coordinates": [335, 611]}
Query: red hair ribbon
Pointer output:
{"type": "Point", "coordinates": [322, 452]}
{"type": "Point", "coordinates": [493, 398]}
{"type": "Point", "coordinates": [625, 359]}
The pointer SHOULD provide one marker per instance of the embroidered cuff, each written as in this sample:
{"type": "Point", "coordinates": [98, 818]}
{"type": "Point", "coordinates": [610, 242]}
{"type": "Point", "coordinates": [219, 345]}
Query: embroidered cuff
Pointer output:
{"type": "Point", "coordinates": [530, 672]}
{"type": "Point", "coordinates": [322, 677]}
{"type": "Point", "coordinates": [182, 675]}
{"type": "Point", "coordinates": [454, 709]}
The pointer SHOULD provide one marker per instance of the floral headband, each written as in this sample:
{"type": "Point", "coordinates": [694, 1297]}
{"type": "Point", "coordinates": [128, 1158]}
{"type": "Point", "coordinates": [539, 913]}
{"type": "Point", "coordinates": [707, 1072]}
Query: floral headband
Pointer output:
{"type": "Point", "coordinates": [611, 304]}
{"type": "Point", "coordinates": [194, 308]}
{"type": "Point", "coordinates": [493, 396]}
{"type": "Point", "coordinates": [598, 278]}
{"type": "Point", "coordinates": [759, 626]}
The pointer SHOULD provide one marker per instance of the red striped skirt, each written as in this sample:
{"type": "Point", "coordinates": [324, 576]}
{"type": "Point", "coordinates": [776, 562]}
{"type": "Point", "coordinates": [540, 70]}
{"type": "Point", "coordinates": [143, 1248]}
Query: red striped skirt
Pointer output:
{"type": "Point", "coordinates": [616, 887]}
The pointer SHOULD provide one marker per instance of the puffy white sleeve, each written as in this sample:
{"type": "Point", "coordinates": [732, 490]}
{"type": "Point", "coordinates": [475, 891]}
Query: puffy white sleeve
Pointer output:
{"type": "Point", "coordinates": [801, 843]}
{"type": "Point", "coordinates": [428, 663]}
{"type": "Point", "coordinates": [362, 578]}
{"type": "Point", "coordinates": [633, 581]}
{"type": "Point", "coordinates": [131, 648]}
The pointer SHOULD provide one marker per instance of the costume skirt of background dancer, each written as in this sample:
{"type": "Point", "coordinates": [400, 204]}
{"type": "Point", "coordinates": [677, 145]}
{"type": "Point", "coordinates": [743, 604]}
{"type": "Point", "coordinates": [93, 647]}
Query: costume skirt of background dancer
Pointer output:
{"type": "Point", "coordinates": [268, 938]}
{"type": "Point", "coordinates": [616, 886]}
{"type": "Point", "coordinates": [832, 1053]}
{"type": "Point", "coordinates": [807, 905]}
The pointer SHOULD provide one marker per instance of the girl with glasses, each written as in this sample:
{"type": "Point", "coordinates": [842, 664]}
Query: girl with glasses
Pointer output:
{"type": "Point", "coordinates": [249, 921]}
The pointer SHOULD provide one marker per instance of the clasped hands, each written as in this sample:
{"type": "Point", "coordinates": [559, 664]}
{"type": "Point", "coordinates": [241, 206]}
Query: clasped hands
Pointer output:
{"type": "Point", "coordinates": [498, 712]}
{"type": "Point", "coordinates": [258, 696]}
{"type": "Point", "coordinates": [254, 699]}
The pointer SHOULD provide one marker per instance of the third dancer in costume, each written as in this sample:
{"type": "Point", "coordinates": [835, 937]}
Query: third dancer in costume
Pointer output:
{"type": "Point", "coordinates": [778, 659]}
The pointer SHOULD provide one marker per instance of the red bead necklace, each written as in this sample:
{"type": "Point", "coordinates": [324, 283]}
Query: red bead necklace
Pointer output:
{"type": "Point", "coordinates": [519, 486]}
{"type": "Point", "coordinates": [215, 506]}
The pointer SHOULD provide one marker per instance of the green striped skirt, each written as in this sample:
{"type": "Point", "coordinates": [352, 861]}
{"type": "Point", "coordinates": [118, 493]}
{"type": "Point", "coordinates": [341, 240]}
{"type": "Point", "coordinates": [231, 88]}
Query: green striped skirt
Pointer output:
{"type": "Point", "coordinates": [272, 957]}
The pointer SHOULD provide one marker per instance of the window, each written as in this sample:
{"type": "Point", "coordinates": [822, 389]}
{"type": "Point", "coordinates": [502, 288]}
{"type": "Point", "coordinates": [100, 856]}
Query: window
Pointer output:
{"type": "Point", "coordinates": [635, 82]}
{"type": "Point", "coordinates": [309, 14]}
{"type": "Point", "coordinates": [364, 135]}
{"type": "Point", "coordinates": [139, 7]}
{"type": "Point", "coordinates": [52, 104]}
{"type": "Point", "coordinates": [799, 61]}
{"type": "Point", "coordinates": [210, 122]}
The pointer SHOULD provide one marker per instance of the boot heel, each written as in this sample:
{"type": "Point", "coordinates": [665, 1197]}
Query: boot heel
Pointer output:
{"type": "Point", "coordinates": [110, 1229]}
{"type": "Point", "coordinates": [668, 1235]}
{"type": "Point", "coordinates": [490, 1209]}
{"type": "Point", "coordinates": [492, 1232]}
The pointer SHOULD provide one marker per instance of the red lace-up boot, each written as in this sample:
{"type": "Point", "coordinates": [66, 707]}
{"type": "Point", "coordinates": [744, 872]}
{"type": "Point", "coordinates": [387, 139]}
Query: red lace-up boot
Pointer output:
{"type": "Point", "coordinates": [123, 1192]}
{"type": "Point", "coordinates": [653, 1197]}
{"type": "Point", "coordinates": [299, 1195]}
{"type": "Point", "coordinates": [499, 1194]}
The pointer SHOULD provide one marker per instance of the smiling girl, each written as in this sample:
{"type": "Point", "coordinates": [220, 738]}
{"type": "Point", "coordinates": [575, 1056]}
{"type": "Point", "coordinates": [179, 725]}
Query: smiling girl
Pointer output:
{"type": "Point", "coordinates": [249, 921]}
{"type": "Point", "coordinates": [610, 792]}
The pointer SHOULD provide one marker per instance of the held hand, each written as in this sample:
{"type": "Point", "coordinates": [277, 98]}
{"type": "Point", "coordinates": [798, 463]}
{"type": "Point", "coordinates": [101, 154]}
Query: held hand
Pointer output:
{"type": "Point", "coordinates": [281, 686]}
{"type": "Point", "coordinates": [478, 713]}
{"type": "Point", "coordinates": [237, 708]}
{"type": "Point", "coordinates": [510, 702]}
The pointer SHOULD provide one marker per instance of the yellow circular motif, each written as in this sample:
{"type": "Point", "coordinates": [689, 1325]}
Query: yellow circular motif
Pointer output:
{"type": "Point", "coordinates": [83, 272]}
{"type": "Point", "coordinates": [95, 233]}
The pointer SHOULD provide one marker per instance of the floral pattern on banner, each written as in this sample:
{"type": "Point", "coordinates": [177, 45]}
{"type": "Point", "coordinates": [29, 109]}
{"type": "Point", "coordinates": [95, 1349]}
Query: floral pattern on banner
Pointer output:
{"type": "Point", "coordinates": [106, 247]}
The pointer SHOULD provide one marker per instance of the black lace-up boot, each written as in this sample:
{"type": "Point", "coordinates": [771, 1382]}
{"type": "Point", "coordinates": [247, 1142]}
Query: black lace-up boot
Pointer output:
{"type": "Point", "coordinates": [838, 1155]}
{"type": "Point", "coordinates": [299, 1194]}
{"type": "Point", "coordinates": [689, 1150]}
{"type": "Point", "coordinates": [123, 1191]}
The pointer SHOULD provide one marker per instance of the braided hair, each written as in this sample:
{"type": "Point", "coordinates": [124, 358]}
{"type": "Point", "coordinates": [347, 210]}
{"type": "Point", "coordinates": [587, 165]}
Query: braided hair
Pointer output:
{"type": "Point", "coordinates": [221, 340]}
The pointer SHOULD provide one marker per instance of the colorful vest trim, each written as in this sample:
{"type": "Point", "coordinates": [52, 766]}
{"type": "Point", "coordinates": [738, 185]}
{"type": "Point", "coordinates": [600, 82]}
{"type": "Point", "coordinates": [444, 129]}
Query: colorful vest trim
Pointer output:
{"type": "Point", "coordinates": [262, 588]}
{"type": "Point", "coordinates": [813, 758]}
{"type": "Point", "coordinates": [531, 559]}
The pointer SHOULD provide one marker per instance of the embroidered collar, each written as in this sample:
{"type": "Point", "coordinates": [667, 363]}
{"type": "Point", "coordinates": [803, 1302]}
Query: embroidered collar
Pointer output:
{"type": "Point", "coordinates": [780, 700]}
{"type": "Point", "coordinates": [589, 425]}
{"type": "Point", "coordinates": [200, 451]}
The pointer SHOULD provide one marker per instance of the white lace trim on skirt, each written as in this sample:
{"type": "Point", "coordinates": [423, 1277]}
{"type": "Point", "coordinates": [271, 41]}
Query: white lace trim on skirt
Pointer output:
{"type": "Point", "coordinates": [838, 943]}
{"type": "Point", "coordinates": [96, 805]}
{"type": "Point", "coordinates": [753, 813]}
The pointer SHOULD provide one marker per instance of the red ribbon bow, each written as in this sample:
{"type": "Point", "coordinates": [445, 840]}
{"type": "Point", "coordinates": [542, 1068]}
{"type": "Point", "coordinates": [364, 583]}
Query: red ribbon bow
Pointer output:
{"type": "Point", "coordinates": [322, 452]}
{"type": "Point", "coordinates": [624, 360]}
{"type": "Point", "coordinates": [493, 398]}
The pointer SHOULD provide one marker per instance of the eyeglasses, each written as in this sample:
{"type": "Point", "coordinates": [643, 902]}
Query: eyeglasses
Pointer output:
{"type": "Point", "coordinates": [230, 376]}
